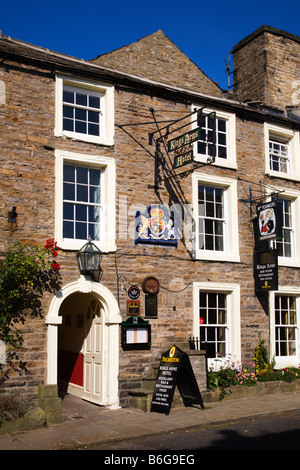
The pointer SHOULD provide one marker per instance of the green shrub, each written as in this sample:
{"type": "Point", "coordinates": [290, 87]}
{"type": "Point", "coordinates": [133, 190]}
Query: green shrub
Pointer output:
{"type": "Point", "coordinates": [261, 359]}
{"type": "Point", "coordinates": [229, 376]}
{"type": "Point", "coordinates": [287, 374]}
{"type": "Point", "coordinates": [27, 272]}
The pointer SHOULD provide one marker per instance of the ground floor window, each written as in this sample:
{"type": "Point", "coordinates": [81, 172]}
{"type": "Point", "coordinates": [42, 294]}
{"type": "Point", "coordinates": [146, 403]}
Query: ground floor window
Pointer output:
{"type": "Point", "coordinates": [285, 325]}
{"type": "Point", "coordinates": [217, 321]}
{"type": "Point", "coordinates": [213, 323]}
{"type": "Point", "coordinates": [284, 328]}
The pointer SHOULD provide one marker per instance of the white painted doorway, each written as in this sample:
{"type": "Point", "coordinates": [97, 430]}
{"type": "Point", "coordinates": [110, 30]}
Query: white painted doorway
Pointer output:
{"type": "Point", "coordinates": [93, 379]}
{"type": "Point", "coordinates": [101, 336]}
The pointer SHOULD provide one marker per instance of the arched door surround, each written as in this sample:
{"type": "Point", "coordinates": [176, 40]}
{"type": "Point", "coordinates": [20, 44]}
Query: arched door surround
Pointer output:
{"type": "Point", "coordinates": [111, 321]}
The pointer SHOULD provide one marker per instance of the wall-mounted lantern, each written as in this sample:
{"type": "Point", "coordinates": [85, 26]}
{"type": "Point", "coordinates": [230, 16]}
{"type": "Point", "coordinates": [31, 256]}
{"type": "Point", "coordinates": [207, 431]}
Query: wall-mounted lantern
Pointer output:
{"type": "Point", "coordinates": [12, 216]}
{"type": "Point", "coordinates": [89, 260]}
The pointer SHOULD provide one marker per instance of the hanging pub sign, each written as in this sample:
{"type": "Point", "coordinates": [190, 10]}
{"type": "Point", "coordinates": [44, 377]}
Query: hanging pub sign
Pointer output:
{"type": "Point", "coordinates": [156, 226]}
{"type": "Point", "coordinates": [184, 139]}
{"type": "Point", "coordinates": [135, 334]}
{"type": "Point", "coordinates": [183, 159]}
{"type": "Point", "coordinates": [269, 219]}
{"type": "Point", "coordinates": [266, 270]}
{"type": "Point", "coordinates": [175, 369]}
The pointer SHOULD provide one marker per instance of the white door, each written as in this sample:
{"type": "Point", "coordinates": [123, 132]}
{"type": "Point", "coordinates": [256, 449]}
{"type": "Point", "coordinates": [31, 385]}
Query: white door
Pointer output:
{"type": "Point", "coordinates": [93, 349]}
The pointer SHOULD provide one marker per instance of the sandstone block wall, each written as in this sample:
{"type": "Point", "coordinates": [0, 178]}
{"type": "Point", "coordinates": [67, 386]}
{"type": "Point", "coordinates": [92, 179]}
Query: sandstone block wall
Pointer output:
{"type": "Point", "coordinates": [266, 68]}
{"type": "Point", "coordinates": [27, 167]}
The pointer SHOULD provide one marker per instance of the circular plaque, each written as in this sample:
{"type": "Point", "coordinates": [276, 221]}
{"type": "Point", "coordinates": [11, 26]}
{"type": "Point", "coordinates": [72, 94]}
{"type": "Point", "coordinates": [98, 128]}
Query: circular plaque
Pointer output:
{"type": "Point", "coordinates": [150, 285]}
{"type": "Point", "coordinates": [133, 292]}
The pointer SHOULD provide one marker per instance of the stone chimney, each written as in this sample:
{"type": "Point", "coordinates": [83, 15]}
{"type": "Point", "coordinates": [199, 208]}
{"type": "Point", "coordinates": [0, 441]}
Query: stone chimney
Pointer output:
{"type": "Point", "coordinates": [266, 69]}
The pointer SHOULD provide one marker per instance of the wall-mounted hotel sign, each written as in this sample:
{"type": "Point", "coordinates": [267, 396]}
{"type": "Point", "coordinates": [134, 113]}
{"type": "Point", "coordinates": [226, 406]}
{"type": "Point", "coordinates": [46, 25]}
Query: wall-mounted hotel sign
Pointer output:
{"type": "Point", "coordinates": [156, 226]}
{"type": "Point", "coordinates": [266, 270]}
{"type": "Point", "coordinates": [183, 159]}
{"type": "Point", "coordinates": [269, 219]}
{"type": "Point", "coordinates": [184, 139]}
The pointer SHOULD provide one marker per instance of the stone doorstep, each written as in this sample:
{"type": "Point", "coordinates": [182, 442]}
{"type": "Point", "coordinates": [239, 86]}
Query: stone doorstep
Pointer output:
{"type": "Point", "coordinates": [141, 399]}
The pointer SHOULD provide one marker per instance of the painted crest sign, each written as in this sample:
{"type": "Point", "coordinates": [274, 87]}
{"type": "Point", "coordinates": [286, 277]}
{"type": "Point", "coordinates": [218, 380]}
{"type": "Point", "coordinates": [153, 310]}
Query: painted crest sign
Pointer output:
{"type": "Point", "coordinates": [156, 226]}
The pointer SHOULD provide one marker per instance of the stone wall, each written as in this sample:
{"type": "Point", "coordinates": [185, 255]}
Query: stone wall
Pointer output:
{"type": "Point", "coordinates": [266, 68]}
{"type": "Point", "coordinates": [27, 163]}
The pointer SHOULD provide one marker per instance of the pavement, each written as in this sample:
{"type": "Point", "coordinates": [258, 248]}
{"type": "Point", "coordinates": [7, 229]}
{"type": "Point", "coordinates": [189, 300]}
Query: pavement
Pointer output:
{"type": "Point", "coordinates": [89, 425]}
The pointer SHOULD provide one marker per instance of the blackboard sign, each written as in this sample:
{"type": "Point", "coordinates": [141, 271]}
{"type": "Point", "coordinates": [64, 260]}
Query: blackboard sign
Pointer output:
{"type": "Point", "coordinates": [175, 369]}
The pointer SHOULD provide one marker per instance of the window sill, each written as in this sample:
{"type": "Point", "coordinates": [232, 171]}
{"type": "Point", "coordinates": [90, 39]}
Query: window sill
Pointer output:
{"type": "Point", "coordinates": [288, 263]}
{"type": "Point", "coordinates": [221, 162]}
{"type": "Point", "coordinates": [211, 256]}
{"type": "Point", "coordinates": [77, 244]}
{"type": "Point", "coordinates": [79, 138]}
{"type": "Point", "coordinates": [286, 176]}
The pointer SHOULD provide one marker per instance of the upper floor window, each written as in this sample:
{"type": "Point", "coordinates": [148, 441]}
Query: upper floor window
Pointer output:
{"type": "Point", "coordinates": [81, 202]}
{"type": "Point", "coordinates": [288, 245]}
{"type": "Point", "coordinates": [84, 110]}
{"type": "Point", "coordinates": [215, 218]}
{"type": "Point", "coordinates": [208, 128]}
{"type": "Point", "coordinates": [85, 201]}
{"type": "Point", "coordinates": [279, 155]}
{"type": "Point", "coordinates": [211, 218]}
{"type": "Point", "coordinates": [282, 150]}
{"type": "Point", "coordinates": [285, 245]}
{"type": "Point", "coordinates": [220, 132]}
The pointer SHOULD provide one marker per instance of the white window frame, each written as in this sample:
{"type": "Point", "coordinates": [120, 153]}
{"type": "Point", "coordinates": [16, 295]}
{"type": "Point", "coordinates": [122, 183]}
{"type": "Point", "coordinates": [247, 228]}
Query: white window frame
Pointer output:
{"type": "Point", "coordinates": [231, 229]}
{"type": "Point", "coordinates": [107, 109]}
{"type": "Point", "coordinates": [293, 196]}
{"type": "Point", "coordinates": [233, 340]}
{"type": "Point", "coordinates": [292, 140]}
{"type": "Point", "coordinates": [107, 241]}
{"type": "Point", "coordinates": [230, 161]}
{"type": "Point", "coordinates": [284, 361]}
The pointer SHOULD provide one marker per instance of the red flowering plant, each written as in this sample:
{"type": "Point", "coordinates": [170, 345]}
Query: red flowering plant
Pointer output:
{"type": "Point", "coordinates": [51, 247]}
{"type": "Point", "coordinates": [27, 272]}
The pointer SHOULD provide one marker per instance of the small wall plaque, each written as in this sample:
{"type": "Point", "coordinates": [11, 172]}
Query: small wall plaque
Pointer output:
{"type": "Point", "coordinates": [133, 292]}
{"type": "Point", "coordinates": [133, 307]}
{"type": "Point", "coordinates": [150, 285]}
{"type": "Point", "coordinates": [151, 305]}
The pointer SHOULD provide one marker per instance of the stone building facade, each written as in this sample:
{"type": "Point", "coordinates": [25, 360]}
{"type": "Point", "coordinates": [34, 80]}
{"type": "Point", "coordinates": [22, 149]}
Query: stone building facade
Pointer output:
{"type": "Point", "coordinates": [84, 151]}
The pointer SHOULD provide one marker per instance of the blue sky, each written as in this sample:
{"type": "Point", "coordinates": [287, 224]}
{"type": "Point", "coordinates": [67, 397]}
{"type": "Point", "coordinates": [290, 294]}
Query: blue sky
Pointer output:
{"type": "Point", "coordinates": [204, 30]}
